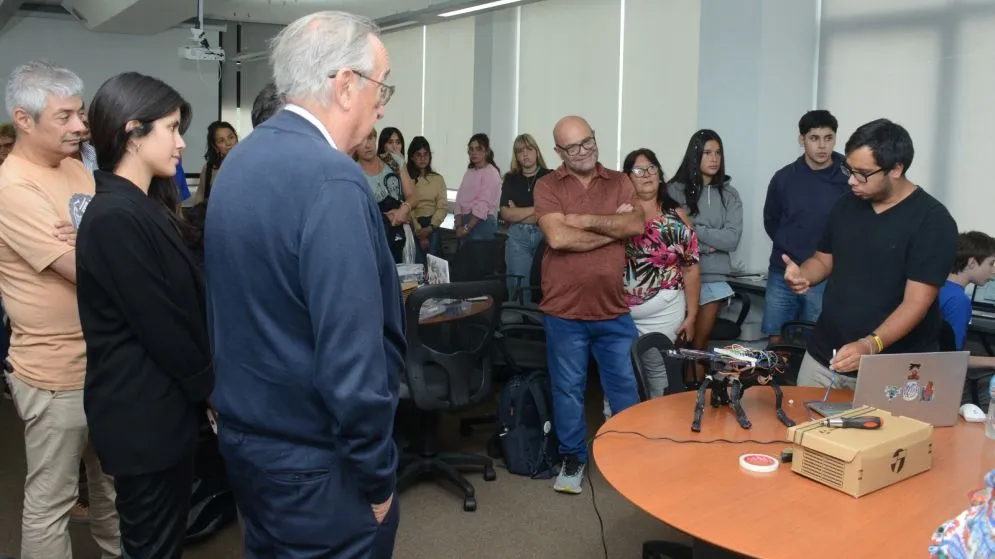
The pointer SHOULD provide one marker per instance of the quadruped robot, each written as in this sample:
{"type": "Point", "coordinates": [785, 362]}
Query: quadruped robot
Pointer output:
{"type": "Point", "coordinates": [731, 370]}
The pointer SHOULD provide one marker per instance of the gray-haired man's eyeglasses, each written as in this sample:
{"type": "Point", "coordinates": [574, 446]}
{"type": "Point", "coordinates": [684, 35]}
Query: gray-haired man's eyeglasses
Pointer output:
{"type": "Point", "coordinates": [386, 91]}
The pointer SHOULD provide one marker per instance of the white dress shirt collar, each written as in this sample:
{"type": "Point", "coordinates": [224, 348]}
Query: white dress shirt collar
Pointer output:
{"type": "Point", "coordinates": [308, 116]}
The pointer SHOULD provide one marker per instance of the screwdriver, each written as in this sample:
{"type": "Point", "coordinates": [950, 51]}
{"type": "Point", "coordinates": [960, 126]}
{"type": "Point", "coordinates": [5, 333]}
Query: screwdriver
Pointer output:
{"type": "Point", "coordinates": [865, 422]}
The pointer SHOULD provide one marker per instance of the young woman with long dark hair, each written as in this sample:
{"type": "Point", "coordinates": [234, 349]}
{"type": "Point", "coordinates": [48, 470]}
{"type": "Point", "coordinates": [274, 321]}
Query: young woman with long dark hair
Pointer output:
{"type": "Point", "coordinates": [703, 188]}
{"type": "Point", "coordinates": [221, 139]}
{"type": "Point", "coordinates": [431, 198]}
{"type": "Point", "coordinates": [479, 193]}
{"type": "Point", "coordinates": [141, 305]}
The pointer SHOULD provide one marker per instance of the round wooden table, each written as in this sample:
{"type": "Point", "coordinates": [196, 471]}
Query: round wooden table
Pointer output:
{"type": "Point", "coordinates": [700, 489]}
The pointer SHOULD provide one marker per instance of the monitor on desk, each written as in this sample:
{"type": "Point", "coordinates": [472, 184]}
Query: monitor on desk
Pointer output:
{"type": "Point", "coordinates": [984, 297]}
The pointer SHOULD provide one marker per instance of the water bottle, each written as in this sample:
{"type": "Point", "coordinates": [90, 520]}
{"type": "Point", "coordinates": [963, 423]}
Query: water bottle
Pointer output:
{"type": "Point", "coordinates": [990, 420]}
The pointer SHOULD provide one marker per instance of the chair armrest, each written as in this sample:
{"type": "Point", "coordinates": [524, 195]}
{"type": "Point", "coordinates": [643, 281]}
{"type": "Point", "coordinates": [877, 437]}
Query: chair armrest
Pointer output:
{"type": "Point", "coordinates": [530, 315]}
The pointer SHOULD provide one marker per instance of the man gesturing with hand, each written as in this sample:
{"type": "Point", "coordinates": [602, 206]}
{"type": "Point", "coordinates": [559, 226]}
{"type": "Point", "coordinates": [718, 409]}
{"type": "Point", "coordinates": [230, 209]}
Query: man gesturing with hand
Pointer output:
{"type": "Point", "coordinates": [885, 252]}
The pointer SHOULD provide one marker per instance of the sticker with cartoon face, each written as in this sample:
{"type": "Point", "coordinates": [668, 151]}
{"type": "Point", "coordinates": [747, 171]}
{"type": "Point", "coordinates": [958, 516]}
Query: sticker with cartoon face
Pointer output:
{"type": "Point", "coordinates": [77, 207]}
{"type": "Point", "coordinates": [891, 391]}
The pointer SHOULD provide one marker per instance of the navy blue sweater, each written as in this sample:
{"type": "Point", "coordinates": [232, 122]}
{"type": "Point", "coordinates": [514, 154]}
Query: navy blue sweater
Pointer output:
{"type": "Point", "coordinates": [304, 302]}
{"type": "Point", "coordinates": [797, 206]}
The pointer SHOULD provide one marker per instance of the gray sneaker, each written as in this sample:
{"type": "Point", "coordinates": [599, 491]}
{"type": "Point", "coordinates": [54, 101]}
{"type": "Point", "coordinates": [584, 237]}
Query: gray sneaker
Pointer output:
{"type": "Point", "coordinates": [571, 476]}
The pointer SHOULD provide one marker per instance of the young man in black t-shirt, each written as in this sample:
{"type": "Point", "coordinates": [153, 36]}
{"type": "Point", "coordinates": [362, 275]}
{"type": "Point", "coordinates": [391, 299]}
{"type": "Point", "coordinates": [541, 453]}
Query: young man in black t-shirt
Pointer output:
{"type": "Point", "coordinates": [886, 251]}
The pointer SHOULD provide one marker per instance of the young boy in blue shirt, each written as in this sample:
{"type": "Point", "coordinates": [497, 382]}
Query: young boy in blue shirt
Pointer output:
{"type": "Point", "coordinates": [974, 265]}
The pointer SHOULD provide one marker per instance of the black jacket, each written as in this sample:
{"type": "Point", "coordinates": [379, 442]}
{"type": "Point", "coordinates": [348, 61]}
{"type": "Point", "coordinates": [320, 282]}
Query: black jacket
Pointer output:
{"type": "Point", "coordinates": [141, 305]}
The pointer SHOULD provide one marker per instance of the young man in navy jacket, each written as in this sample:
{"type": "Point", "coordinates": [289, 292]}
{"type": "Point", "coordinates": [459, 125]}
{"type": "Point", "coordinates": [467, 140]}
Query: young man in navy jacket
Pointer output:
{"type": "Point", "coordinates": [799, 198]}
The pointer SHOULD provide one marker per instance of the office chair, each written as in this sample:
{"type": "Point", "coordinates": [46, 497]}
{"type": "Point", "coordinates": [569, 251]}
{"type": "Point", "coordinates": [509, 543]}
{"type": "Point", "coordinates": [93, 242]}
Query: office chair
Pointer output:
{"type": "Point", "coordinates": [793, 354]}
{"type": "Point", "coordinates": [659, 549]}
{"type": "Point", "coordinates": [797, 332]}
{"type": "Point", "coordinates": [975, 376]}
{"type": "Point", "coordinates": [675, 367]}
{"type": "Point", "coordinates": [534, 286]}
{"type": "Point", "coordinates": [519, 348]}
{"type": "Point", "coordinates": [726, 329]}
{"type": "Point", "coordinates": [453, 378]}
{"type": "Point", "coordinates": [478, 261]}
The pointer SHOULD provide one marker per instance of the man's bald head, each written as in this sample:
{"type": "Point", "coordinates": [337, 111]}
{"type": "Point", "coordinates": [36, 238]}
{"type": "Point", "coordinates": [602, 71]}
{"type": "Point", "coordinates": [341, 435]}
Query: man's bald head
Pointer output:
{"type": "Point", "coordinates": [571, 130]}
{"type": "Point", "coordinates": [575, 144]}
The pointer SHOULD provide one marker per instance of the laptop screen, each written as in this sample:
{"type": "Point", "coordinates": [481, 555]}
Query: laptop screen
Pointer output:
{"type": "Point", "coordinates": [984, 297]}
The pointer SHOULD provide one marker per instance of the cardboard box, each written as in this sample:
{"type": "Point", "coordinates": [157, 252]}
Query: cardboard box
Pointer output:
{"type": "Point", "coordinates": [859, 461]}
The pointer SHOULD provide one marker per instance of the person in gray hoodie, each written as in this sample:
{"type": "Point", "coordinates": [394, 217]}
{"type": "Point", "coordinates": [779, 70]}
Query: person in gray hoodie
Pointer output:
{"type": "Point", "coordinates": [702, 187]}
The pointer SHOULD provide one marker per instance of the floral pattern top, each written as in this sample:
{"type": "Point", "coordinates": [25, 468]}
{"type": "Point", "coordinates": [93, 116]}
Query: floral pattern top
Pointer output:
{"type": "Point", "coordinates": [655, 260]}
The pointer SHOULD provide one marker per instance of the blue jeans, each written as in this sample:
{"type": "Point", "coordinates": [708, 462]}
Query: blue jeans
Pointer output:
{"type": "Point", "coordinates": [485, 229]}
{"type": "Point", "coordinates": [519, 251]}
{"type": "Point", "coordinates": [433, 247]}
{"type": "Point", "coordinates": [782, 305]}
{"type": "Point", "coordinates": [569, 344]}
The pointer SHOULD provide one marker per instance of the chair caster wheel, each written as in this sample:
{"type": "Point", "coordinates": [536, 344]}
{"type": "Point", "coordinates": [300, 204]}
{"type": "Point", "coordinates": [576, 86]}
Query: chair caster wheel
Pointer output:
{"type": "Point", "coordinates": [489, 474]}
{"type": "Point", "coordinates": [465, 430]}
{"type": "Point", "coordinates": [469, 504]}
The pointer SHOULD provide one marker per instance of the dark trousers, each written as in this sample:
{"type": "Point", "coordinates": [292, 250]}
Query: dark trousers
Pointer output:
{"type": "Point", "coordinates": [153, 511]}
{"type": "Point", "coordinates": [299, 502]}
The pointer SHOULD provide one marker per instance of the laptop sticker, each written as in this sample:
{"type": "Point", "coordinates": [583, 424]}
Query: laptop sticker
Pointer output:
{"type": "Point", "coordinates": [912, 390]}
{"type": "Point", "coordinates": [891, 391]}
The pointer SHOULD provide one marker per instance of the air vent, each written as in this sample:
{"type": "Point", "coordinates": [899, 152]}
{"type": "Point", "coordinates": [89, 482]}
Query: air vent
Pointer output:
{"type": "Point", "coordinates": [823, 468]}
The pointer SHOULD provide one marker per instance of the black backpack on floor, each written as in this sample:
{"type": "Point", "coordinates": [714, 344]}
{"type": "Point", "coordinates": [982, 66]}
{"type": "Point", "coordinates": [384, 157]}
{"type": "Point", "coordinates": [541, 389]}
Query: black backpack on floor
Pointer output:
{"type": "Point", "coordinates": [525, 426]}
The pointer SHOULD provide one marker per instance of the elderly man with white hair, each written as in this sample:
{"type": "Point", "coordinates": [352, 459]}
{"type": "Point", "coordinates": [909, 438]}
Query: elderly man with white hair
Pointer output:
{"type": "Point", "coordinates": [305, 309]}
{"type": "Point", "coordinates": [41, 184]}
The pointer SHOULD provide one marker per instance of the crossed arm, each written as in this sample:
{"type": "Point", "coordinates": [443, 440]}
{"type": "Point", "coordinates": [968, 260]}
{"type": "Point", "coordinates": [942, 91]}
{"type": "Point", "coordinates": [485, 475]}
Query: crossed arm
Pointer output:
{"type": "Point", "coordinates": [586, 232]}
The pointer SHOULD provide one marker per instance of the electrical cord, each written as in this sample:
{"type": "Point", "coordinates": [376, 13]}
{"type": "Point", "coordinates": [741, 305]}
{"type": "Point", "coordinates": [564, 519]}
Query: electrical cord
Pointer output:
{"type": "Point", "coordinates": [590, 447]}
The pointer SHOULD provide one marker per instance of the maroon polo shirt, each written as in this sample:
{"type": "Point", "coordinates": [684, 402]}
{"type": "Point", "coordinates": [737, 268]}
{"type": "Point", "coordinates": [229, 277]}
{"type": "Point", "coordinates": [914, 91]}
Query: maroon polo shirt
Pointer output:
{"type": "Point", "coordinates": [583, 285]}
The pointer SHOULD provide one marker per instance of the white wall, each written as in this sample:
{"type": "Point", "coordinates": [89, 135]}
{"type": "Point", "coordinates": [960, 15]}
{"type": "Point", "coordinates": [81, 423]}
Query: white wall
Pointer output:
{"type": "Point", "coordinates": [929, 66]}
{"type": "Point", "coordinates": [449, 75]}
{"type": "Point", "coordinates": [569, 65]}
{"type": "Point", "coordinates": [660, 78]}
{"type": "Point", "coordinates": [404, 111]}
{"type": "Point", "coordinates": [755, 80]}
{"type": "Point", "coordinates": [95, 57]}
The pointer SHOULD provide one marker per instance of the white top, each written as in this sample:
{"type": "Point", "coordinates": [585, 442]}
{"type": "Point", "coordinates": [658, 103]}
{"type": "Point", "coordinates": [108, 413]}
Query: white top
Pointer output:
{"type": "Point", "coordinates": [308, 116]}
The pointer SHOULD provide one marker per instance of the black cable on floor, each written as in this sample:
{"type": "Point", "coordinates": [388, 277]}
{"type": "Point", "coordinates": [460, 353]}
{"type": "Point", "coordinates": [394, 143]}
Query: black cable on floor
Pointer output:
{"type": "Point", "coordinates": [590, 447]}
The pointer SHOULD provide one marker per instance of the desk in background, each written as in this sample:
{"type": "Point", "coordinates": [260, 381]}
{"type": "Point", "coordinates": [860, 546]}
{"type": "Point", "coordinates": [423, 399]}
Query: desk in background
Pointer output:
{"type": "Point", "coordinates": [700, 489]}
{"type": "Point", "coordinates": [753, 283]}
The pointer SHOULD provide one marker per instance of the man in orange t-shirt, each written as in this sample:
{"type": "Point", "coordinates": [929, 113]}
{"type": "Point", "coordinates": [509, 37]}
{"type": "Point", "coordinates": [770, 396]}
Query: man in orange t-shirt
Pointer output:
{"type": "Point", "coordinates": [586, 213]}
{"type": "Point", "coordinates": [40, 186]}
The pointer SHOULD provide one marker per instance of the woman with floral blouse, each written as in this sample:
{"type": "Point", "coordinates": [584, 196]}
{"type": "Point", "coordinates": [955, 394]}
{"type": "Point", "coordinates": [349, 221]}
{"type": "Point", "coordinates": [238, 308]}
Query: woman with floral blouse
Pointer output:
{"type": "Point", "coordinates": [662, 280]}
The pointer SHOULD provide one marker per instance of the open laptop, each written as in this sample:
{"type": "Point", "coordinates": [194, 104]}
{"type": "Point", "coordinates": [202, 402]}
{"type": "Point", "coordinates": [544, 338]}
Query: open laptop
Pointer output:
{"type": "Point", "coordinates": [983, 301]}
{"type": "Point", "coordinates": [923, 386]}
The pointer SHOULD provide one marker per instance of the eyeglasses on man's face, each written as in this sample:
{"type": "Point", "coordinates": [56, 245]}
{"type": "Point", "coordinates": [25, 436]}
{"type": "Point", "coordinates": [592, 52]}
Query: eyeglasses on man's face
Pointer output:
{"type": "Point", "coordinates": [587, 144]}
{"type": "Point", "coordinates": [862, 176]}
{"type": "Point", "coordinates": [386, 91]}
{"type": "Point", "coordinates": [645, 171]}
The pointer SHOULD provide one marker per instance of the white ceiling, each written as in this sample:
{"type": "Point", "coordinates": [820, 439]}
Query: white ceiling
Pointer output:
{"type": "Point", "coordinates": [153, 16]}
{"type": "Point", "coordinates": [286, 11]}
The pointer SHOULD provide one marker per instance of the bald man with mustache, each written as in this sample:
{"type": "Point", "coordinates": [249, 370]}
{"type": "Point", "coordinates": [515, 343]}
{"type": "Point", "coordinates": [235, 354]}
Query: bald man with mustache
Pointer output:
{"type": "Point", "coordinates": [586, 212]}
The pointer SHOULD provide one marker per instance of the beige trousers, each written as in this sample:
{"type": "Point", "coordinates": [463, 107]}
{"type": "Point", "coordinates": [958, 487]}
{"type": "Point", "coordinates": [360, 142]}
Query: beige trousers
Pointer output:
{"type": "Point", "coordinates": [55, 438]}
